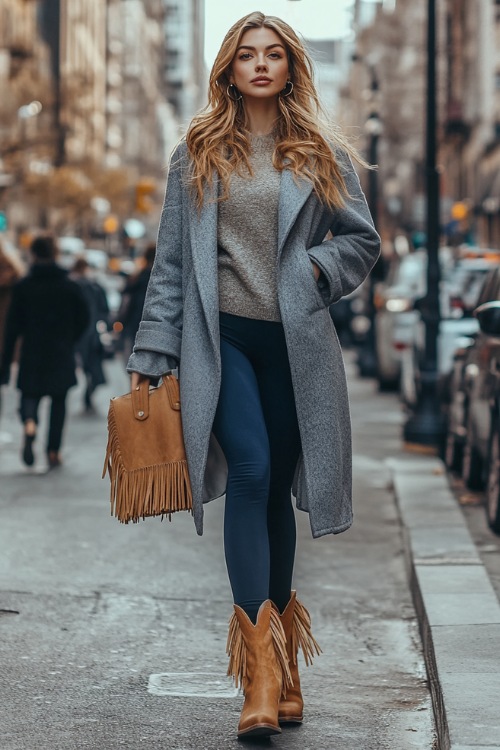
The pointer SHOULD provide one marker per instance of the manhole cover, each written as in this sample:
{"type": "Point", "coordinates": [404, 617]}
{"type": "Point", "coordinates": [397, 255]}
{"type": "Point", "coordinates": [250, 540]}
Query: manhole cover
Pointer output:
{"type": "Point", "coordinates": [192, 684]}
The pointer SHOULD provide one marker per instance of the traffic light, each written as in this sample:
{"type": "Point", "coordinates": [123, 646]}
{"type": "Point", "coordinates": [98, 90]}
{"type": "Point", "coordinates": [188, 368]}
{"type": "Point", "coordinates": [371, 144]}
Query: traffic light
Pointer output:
{"type": "Point", "coordinates": [143, 191]}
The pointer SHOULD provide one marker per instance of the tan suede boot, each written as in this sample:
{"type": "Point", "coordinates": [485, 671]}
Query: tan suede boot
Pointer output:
{"type": "Point", "coordinates": [258, 662]}
{"type": "Point", "coordinates": [296, 623]}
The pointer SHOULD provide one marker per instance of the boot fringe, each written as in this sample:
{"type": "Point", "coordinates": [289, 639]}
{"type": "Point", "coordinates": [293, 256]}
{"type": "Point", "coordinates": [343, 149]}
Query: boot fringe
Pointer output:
{"type": "Point", "coordinates": [302, 636]}
{"type": "Point", "coordinates": [237, 652]}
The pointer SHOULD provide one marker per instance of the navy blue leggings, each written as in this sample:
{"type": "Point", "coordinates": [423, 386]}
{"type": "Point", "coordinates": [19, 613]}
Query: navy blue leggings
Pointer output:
{"type": "Point", "coordinates": [256, 426]}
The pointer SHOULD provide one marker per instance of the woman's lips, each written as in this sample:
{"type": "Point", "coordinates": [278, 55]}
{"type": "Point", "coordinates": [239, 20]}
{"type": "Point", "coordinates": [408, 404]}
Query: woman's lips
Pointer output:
{"type": "Point", "coordinates": [261, 82]}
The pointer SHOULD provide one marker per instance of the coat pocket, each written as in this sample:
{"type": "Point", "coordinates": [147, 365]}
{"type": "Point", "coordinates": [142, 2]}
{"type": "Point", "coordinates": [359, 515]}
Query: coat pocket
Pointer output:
{"type": "Point", "coordinates": [311, 287]}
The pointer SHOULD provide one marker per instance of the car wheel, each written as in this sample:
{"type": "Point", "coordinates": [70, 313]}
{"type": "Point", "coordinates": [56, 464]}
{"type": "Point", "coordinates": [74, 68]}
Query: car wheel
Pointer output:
{"type": "Point", "coordinates": [453, 452]}
{"type": "Point", "coordinates": [493, 486]}
{"type": "Point", "coordinates": [472, 465]}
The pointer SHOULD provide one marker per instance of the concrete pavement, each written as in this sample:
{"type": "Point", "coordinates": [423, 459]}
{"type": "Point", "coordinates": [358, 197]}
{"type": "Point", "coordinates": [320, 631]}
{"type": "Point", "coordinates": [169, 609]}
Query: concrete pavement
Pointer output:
{"type": "Point", "coordinates": [457, 607]}
{"type": "Point", "coordinates": [120, 633]}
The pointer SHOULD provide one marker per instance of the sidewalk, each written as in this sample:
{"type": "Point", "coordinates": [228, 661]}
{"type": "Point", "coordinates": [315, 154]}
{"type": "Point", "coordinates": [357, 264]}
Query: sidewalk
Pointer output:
{"type": "Point", "coordinates": [120, 634]}
{"type": "Point", "coordinates": [457, 608]}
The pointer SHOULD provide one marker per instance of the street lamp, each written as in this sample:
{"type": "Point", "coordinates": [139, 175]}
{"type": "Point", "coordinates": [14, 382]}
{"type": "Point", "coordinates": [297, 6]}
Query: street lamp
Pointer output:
{"type": "Point", "coordinates": [426, 426]}
{"type": "Point", "coordinates": [367, 357]}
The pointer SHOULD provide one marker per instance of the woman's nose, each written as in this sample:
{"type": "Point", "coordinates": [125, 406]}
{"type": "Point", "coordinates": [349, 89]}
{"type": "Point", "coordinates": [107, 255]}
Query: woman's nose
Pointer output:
{"type": "Point", "coordinates": [261, 65]}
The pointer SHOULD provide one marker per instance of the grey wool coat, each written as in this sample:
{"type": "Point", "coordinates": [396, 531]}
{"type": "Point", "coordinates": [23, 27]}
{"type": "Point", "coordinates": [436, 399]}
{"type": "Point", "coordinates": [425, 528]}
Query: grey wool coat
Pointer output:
{"type": "Point", "coordinates": [180, 323]}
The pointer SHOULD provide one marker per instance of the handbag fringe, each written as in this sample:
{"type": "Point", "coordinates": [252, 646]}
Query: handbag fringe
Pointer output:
{"type": "Point", "coordinates": [158, 490]}
{"type": "Point", "coordinates": [237, 651]}
{"type": "Point", "coordinates": [302, 636]}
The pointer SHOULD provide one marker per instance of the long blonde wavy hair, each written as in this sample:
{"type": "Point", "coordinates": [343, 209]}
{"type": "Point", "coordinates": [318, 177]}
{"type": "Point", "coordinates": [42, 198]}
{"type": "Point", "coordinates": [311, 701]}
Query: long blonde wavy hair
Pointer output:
{"type": "Point", "coordinates": [217, 140]}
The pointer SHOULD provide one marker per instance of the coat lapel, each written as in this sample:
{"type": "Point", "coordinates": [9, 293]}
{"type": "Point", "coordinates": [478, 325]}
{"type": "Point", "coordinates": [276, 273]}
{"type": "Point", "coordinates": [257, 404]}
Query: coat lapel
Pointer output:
{"type": "Point", "coordinates": [293, 194]}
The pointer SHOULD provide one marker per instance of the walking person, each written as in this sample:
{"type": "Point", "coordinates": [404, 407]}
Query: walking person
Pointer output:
{"type": "Point", "coordinates": [239, 301]}
{"type": "Point", "coordinates": [48, 314]}
{"type": "Point", "coordinates": [133, 296]}
{"type": "Point", "coordinates": [89, 348]}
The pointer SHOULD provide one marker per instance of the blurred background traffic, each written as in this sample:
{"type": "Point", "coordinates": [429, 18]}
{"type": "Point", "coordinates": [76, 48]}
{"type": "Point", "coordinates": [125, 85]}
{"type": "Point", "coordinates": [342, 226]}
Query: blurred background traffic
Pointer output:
{"type": "Point", "coordinates": [96, 93]}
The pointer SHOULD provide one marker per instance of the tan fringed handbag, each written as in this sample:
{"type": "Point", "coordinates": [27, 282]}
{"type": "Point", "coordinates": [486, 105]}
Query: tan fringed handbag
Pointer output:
{"type": "Point", "coordinates": [145, 455]}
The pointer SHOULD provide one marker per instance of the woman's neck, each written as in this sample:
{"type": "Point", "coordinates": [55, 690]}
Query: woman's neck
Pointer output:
{"type": "Point", "coordinates": [261, 116]}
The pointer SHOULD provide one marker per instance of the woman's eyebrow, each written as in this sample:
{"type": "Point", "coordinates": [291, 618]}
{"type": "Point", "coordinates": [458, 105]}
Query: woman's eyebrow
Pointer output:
{"type": "Point", "coordinates": [269, 46]}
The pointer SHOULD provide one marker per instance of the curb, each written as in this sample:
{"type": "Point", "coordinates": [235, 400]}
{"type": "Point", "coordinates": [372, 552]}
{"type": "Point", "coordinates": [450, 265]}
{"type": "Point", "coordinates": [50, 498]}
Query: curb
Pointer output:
{"type": "Point", "coordinates": [456, 605]}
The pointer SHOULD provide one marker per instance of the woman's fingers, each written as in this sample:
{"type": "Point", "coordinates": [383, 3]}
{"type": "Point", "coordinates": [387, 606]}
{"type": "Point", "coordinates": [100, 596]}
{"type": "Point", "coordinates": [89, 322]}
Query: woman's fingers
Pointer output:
{"type": "Point", "coordinates": [137, 378]}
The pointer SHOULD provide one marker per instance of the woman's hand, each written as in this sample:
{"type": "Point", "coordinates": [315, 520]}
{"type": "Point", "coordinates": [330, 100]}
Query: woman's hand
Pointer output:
{"type": "Point", "coordinates": [137, 378]}
{"type": "Point", "coordinates": [316, 270]}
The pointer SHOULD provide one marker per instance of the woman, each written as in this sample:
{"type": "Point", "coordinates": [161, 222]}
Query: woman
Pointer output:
{"type": "Point", "coordinates": [238, 300]}
{"type": "Point", "coordinates": [48, 314]}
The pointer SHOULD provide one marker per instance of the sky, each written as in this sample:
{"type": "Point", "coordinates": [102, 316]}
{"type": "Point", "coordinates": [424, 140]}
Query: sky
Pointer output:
{"type": "Point", "coordinates": [313, 19]}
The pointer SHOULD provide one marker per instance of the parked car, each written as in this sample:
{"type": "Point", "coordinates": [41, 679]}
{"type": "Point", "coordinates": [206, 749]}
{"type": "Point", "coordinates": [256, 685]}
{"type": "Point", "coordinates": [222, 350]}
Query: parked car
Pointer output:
{"type": "Point", "coordinates": [473, 444]}
{"type": "Point", "coordinates": [459, 291]}
{"type": "Point", "coordinates": [396, 315]}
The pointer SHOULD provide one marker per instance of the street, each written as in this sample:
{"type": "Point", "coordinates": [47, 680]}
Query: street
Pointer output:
{"type": "Point", "coordinates": [91, 609]}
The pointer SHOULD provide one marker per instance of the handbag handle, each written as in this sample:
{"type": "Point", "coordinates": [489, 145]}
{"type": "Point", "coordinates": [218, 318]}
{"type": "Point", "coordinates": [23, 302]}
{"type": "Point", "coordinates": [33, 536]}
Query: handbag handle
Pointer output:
{"type": "Point", "coordinates": [140, 401]}
{"type": "Point", "coordinates": [140, 396]}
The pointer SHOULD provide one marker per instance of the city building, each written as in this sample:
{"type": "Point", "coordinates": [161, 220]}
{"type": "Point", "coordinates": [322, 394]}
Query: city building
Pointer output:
{"type": "Point", "coordinates": [384, 99]}
{"type": "Point", "coordinates": [470, 147]}
{"type": "Point", "coordinates": [26, 136]}
{"type": "Point", "coordinates": [185, 73]}
{"type": "Point", "coordinates": [331, 63]}
{"type": "Point", "coordinates": [386, 85]}
{"type": "Point", "coordinates": [84, 115]}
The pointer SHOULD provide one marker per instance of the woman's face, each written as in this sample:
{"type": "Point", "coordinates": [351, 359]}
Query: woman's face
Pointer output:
{"type": "Point", "coordinates": [260, 65]}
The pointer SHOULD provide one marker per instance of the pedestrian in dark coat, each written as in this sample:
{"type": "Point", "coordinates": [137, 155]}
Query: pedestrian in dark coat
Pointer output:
{"type": "Point", "coordinates": [49, 314]}
{"type": "Point", "coordinates": [239, 301]}
{"type": "Point", "coordinates": [89, 349]}
{"type": "Point", "coordinates": [133, 296]}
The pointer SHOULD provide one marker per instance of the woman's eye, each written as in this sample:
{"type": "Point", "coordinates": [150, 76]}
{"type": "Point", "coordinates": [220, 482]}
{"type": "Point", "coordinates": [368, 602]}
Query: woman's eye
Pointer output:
{"type": "Point", "coordinates": [245, 56]}
{"type": "Point", "coordinates": [275, 55]}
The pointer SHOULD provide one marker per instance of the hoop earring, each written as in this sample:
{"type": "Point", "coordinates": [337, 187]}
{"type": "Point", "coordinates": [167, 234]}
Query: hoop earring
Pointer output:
{"type": "Point", "coordinates": [284, 92]}
{"type": "Point", "coordinates": [231, 89]}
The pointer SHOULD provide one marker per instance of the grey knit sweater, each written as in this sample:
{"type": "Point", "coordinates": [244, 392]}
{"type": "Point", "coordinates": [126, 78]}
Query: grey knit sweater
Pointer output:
{"type": "Point", "coordinates": [248, 238]}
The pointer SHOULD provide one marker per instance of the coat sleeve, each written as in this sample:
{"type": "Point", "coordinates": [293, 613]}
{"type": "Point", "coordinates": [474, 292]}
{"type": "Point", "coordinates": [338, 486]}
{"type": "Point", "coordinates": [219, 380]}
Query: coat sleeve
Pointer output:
{"type": "Point", "coordinates": [346, 259]}
{"type": "Point", "coordinates": [158, 340]}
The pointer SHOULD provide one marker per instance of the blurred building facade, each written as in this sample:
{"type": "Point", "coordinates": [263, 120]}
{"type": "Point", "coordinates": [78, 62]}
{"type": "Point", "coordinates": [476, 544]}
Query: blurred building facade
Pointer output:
{"type": "Point", "coordinates": [26, 135]}
{"type": "Point", "coordinates": [471, 121]}
{"type": "Point", "coordinates": [87, 112]}
{"type": "Point", "coordinates": [185, 74]}
{"type": "Point", "coordinates": [331, 64]}
{"type": "Point", "coordinates": [387, 80]}
{"type": "Point", "coordinates": [386, 88]}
